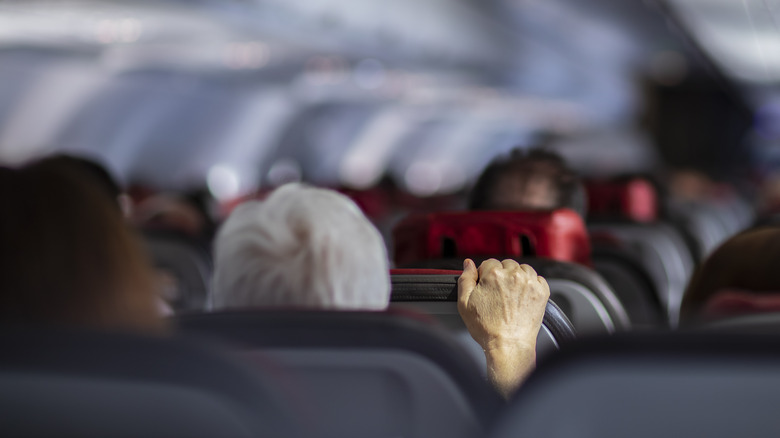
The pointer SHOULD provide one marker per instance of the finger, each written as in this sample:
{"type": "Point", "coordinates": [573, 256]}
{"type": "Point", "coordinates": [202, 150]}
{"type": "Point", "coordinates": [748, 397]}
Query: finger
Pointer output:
{"type": "Point", "coordinates": [528, 270]}
{"type": "Point", "coordinates": [544, 284]}
{"type": "Point", "coordinates": [489, 265]}
{"type": "Point", "coordinates": [510, 264]}
{"type": "Point", "coordinates": [467, 281]}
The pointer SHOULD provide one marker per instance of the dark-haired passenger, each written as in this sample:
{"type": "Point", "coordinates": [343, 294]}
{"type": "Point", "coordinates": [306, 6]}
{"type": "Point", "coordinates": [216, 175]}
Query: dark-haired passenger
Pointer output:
{"type": "Point", "coordinates": [537, 179]}
{"type": "Point", "coordinates": [67, 256]}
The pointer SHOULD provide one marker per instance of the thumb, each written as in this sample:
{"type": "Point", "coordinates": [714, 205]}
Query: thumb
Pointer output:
{"type": "Point", "coordinates": [467, 281]}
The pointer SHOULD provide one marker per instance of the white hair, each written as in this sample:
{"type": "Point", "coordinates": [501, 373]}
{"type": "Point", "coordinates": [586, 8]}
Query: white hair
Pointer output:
{"type": "Point", "coordinates": [301, 247]}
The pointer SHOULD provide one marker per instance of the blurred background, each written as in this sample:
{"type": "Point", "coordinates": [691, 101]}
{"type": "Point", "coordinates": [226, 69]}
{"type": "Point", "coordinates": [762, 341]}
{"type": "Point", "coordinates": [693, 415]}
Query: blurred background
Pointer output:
{"type": "Point", "coordinates": [235, 96]}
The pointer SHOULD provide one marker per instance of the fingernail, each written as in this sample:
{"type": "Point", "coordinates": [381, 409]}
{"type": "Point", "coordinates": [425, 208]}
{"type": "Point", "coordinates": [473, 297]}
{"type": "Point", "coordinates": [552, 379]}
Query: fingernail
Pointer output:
{"type": "Point", "coordinates": [465, 264]}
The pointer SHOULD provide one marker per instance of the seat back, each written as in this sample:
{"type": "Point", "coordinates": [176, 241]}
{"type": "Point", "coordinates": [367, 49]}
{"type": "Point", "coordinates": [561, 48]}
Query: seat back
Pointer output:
{"type": "Point", "coordinates": [762, 323]}
{"type": "Point", "coordinates": [700, 221]}
{"type": "Point", "coordinates": [559, 235]}
{"type": "Point", "coordinates": [632, 283]}
{"type": "Point", "coordinates": [369, 374]}
{"type": "Point", "coordinates": [187, 265]}
{"type": "Point", "coordinates": [634, 199]}
{"type": "Point", "coordinates": [651, 386]}
{"type": "Point", "coordinates": [56, 382]}
{"type": "Point", "coordinates": [662, 252]}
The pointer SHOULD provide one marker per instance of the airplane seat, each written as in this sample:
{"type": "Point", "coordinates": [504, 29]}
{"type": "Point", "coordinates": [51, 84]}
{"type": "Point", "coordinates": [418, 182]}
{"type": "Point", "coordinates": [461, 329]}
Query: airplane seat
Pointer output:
{"type": "Point", "coordinates": [744, 211]}
{"type": "Point", "coordinates": [375, 203]}
{"type": "Point", "coordinates": [702, 222]}
{"type": "Point", "coordinates": [368, 374]}
{"type": "Point", "coordinates": [425, 287]}
{"type": "Point", "coordinates": [186, 266]}
{"type": "Point", "coordinates": [767, 220]}
{"type": "Point", "coordinates": [767, 323]}
{"type": "Point", "coordinates": [651, 386]}
{"type": "Point", "coordinates": [661, 251]}
{"type": "Point", "coordinates": [734, 210]}
{"type": "Point", "coordinates": [741, 311]}
{"type": "Point", "coordinates": [559, 235]}
{"type": "Point", "coordinates": [633, 285]}
{"type": "Point", "coordinates": [435, 292]}
{"type": "Point", "coordinates": [582, 294]}
{"type": "Point", "coordinates": [624, 217]}
{"type": "Point", "coordinates": [634, 199]}
{"type": "Point", "coordinates": [68, 382]}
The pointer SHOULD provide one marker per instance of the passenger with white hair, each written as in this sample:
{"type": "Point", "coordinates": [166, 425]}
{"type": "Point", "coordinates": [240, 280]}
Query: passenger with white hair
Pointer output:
{"type": "Point", "coordinates": [301, 247]}
{"type": "Point", "coordinates": [313, 248]}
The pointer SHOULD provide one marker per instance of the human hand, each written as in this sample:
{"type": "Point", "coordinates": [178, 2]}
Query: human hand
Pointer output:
{"type": "Point", "coordinates": [502, 305]}
{"type": "Point", "coordinates": [501, 302]}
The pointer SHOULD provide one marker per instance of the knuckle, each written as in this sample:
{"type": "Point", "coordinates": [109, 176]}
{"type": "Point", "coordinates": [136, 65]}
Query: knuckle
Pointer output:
{"type": "Point", "coordinates": [511, 263]}
{"type": "Point", "coordinates": [493, 270]}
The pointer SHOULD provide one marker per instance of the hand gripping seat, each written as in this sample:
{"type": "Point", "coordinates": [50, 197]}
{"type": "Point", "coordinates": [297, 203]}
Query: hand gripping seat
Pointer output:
{"type": "Point", "coordinates": [435, 292]}
{"type": "Point", "coordinates": [422, 240]}
{"type": "Point", "coordinates": [57, 382]}
{"type": "Point", "coordinates": [651, 386]}
{"type": "Point", "coordinates": [187, 261]}
{"type": "Point", "coordinates": [368, 374]}
{"type": "Point", "coordinates": [559, 235]}
{"type": "Point", "coordinates": [582, 294]}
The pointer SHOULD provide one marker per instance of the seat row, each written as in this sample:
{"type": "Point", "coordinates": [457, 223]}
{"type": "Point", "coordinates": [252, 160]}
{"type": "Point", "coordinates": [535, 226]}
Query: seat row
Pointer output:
{"type": "Point", "coordinates": [627, 268]}
{"type": "Point", "coordinates": [325, 374]}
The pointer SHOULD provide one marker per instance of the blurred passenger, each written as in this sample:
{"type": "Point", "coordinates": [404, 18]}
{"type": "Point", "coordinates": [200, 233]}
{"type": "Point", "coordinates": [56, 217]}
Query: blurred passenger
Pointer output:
{"type": "Point", "coordinates": [534, 180]}
{"type": "Point", "coordinates": [66, 255]}
{"type": "Point", "coordinates": [171, 212]}
{"type": "Point", "coordinates": [691, 185]}
{"type": "Point", "coordinates": [313, 248]}
{"type": "Point", "coordinates": [741, 276]}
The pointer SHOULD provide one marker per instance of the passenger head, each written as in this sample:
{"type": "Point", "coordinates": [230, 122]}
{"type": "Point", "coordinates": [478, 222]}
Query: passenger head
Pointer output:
{"type": "Point", "coordinates": [66, 256]}
{"type": "Point", "coordinates": [533, 180]}
{"type": "Point", "coordinates": [171, 212]}
{"type": "Point", "coordinates": [745, 263]}
{"type": "Point", "coordinates": [301, 247]}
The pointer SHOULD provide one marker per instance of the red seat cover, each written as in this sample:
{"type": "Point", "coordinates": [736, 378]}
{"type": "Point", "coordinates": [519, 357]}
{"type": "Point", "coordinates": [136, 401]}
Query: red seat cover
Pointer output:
{"type": "Point", "coordinates": [635, 199]}
{"type": "Point", "coordinates": [415, 271]}
{"type": "Point", "coordinates": [559, 235]}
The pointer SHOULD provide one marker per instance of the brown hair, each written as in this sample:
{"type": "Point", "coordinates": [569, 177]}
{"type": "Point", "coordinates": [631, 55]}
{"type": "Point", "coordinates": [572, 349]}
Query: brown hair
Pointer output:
{"type": "Point", "coordinates": [66, 255]}
{"type": "Point", "coordinates": [746, 262]}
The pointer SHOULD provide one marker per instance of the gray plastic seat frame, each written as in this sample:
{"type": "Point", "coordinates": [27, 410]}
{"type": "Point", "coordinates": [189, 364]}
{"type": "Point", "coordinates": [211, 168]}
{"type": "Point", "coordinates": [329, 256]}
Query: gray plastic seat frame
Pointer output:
{"type": "Point", "coordinates": [64, 382]}
{"type": "Point", "coordinates": [678, 385]}
{"type": "Point", "coordinates": [366, 374]}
